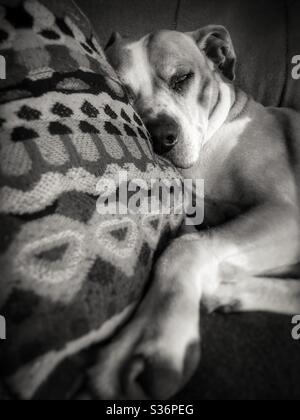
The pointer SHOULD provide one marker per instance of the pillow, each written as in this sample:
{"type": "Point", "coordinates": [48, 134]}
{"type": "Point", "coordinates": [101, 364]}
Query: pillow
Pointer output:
{"type": "Point", "coordinates": [70, 274]}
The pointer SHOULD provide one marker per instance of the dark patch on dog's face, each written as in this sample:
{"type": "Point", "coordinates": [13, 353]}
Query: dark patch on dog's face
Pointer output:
{"type": "Point", "coordinates": [203, 94]}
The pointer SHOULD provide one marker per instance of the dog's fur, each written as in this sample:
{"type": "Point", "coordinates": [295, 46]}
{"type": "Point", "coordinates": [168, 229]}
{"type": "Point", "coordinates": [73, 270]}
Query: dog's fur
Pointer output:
{"type": "Point", "coordinates": [181, 84]}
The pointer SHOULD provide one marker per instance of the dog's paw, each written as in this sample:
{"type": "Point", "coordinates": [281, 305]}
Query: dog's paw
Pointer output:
{"type": "Point", "coordinates": [156, 374]}
{"type": "Point", "coordinates": [223, 306]}
{"type": "Point", "coordinates": [233, 306]}
{"type": "Point", "coordinates": [226, 299]}
{"type": "Point", "coordinates": [153, 357]}
{"type": "Point", "coordinates": [157, 353]}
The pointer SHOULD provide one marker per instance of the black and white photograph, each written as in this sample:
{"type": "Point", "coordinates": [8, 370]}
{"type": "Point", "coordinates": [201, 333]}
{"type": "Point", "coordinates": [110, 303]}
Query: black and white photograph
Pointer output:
{"type": "Point", "coordinates": [149, 203]}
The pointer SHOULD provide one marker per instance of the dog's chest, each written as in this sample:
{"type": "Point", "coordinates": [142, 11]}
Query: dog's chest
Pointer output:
{"type": "Point", "coordinates": [225, 196]}
{"type": "Point", "coordinates": [216, 166]}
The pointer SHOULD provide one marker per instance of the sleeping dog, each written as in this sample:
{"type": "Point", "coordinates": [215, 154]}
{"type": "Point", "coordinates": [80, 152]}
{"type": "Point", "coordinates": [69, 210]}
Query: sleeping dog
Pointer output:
{"type": "Point", "coordinates": [182, 86]}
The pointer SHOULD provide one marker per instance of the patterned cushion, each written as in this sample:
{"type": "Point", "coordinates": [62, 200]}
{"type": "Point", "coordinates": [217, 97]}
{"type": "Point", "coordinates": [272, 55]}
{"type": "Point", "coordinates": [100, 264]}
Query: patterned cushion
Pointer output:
{"type": "Point", "coordinates": [69, 274]}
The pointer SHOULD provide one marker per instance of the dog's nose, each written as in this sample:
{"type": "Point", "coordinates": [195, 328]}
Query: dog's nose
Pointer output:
{"type": "Point", "coordinates": [164, 131]}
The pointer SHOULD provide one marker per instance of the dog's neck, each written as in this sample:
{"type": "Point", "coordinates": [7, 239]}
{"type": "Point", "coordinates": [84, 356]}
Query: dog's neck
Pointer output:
{"type": "Point", "coordinates": [231, 103]}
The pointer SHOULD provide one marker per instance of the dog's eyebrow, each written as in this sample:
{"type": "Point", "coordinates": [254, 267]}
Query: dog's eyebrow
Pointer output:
{"type": "Point", "coordinates": [182, 70]}
{"type": "Point", "coordinates": [175, 70]}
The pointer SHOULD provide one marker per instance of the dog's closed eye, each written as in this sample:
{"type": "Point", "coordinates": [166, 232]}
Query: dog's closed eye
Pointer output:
{"type": "Point", "coordinates": [178, 82]}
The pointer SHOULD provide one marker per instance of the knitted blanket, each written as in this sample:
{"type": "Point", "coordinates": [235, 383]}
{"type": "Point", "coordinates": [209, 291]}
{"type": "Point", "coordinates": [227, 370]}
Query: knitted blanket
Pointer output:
{"type": "Point", "coordinates": [69, 274]}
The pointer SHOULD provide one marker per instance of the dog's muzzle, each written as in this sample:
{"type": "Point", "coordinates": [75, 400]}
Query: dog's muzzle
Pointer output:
{"type": "Point", "coordinates": [164, 131]}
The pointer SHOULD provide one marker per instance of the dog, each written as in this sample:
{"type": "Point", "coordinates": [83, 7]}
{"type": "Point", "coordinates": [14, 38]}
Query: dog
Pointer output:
{"type": "Point", "coordinates": [182, 85]}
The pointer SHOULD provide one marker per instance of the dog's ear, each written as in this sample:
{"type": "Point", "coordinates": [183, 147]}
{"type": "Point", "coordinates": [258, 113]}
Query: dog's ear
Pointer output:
{"type": "Point", "coordinates": [113, 50]}
{"type": "Point", "coordinates": [114, 39]}
{"type": "Point", "coordinates": [215, 41]}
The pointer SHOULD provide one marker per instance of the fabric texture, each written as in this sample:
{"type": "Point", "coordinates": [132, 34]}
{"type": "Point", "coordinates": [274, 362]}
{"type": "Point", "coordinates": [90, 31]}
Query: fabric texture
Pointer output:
{"type": "Point", "coordinates": [69, 274]}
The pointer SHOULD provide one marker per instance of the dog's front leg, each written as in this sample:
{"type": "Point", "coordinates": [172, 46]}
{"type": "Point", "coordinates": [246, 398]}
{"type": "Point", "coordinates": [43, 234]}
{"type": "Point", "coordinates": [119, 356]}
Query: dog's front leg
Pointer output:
{"type": "Point", "coordinates": [256, 294]}
{"type": "Point", "coordinates": [195, 267]}
{"type": "Point", "coordinates": [246, 253]}
{"type": "Point", "coordinates": [158, 351]}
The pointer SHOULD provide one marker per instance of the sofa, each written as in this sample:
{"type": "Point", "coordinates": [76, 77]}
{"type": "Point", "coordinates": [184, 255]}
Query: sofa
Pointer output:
{"type": "Point", "coordinates": [245, 356]}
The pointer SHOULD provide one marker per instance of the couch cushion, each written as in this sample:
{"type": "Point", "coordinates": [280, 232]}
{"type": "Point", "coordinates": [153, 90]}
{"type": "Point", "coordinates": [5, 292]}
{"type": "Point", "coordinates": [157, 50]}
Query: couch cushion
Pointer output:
{"type": "Point", "coordinates": [246, 357]}
{"type": "Point", "coordinates": [70, 273]}
{"type": "Point", "coordinates": [132, 19]}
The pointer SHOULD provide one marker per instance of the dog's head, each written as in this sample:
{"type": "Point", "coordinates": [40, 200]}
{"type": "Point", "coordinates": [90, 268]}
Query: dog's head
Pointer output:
{"type": "Point", "coordinates": [173, 80]}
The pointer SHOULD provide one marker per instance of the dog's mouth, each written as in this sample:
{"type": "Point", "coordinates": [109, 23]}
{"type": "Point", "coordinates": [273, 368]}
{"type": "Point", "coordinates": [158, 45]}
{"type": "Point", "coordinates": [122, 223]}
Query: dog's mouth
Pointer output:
{"type": "Point", "coordinates": [185, 153]}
